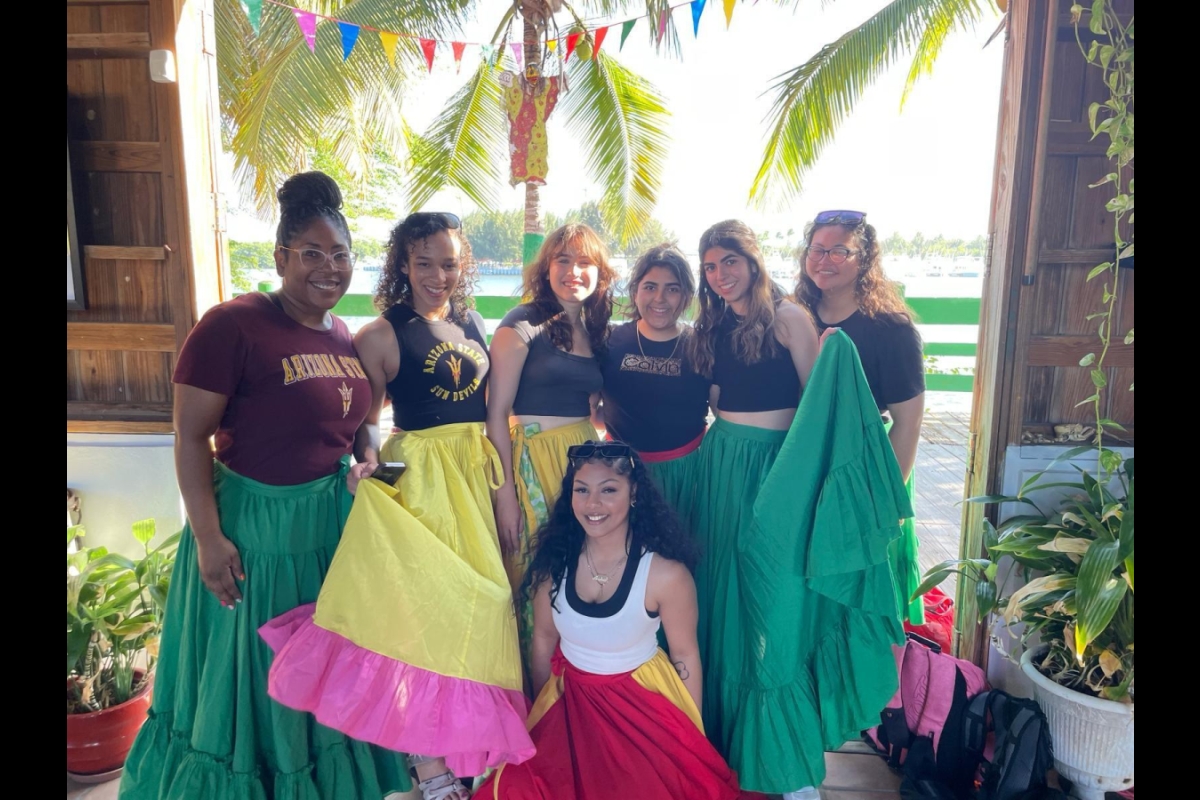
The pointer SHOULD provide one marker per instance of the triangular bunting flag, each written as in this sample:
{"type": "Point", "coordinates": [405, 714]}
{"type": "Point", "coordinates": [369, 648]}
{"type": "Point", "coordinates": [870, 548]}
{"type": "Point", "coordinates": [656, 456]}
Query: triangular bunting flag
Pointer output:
{"type": "Point", "coordinates": [254, 12]}
{"type": "Point", "coordinates": [488, 51]}
{"type": "Point", "coordinates": [458, 48]}
{"type": "Point", "coordinates": [518, 55]}
{"type": "Point", "coordinates": [388, 40]}
{"type": "Point", "coordinates": [349, 37]}
{"type": "Point", "coordinates": [552, 44]}
{"type": "Point", "coordinates": [662, 24]}
{"type": "Point", "coordinates": [572, 40]}
{"type": "Point", "coordinates": [600, 34]}
{"type": "Point", "coordinates": [429, 47]}
{"type": "Point", "coordinates": [729, 12]}
{"type": "Point", "coordinates": [697, 10]}
{"type": "Point", "coordinates": [626, 29]}
{"type": "Point", "coordinates": [307, 21]}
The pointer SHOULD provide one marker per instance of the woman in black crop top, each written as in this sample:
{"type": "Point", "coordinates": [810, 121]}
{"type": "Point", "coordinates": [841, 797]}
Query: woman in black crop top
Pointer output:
{"type": "Point", "coordinates": [842, 283]}
{"type": "Point", "coordinates": [759, 349]}
{"type": "Point", "coordinates": [427, 354]}
{"type": "Point", "coordinates": [545, 384]}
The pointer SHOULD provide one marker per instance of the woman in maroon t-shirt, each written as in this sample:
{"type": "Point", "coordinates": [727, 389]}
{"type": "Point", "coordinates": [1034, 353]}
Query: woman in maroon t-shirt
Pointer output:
{"type": "Point", "coordinates": [274, 381]}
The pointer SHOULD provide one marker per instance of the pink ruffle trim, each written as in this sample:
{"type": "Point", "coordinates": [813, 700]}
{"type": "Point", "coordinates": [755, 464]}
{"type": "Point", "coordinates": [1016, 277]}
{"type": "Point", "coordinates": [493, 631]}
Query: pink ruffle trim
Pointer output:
{"type": "Point", "coordinates": [376, 699]}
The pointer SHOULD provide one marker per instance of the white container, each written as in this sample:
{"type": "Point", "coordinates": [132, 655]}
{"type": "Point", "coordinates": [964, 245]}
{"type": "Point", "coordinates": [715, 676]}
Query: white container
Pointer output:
{"type": "Point", "coordinates": [1092, 737]}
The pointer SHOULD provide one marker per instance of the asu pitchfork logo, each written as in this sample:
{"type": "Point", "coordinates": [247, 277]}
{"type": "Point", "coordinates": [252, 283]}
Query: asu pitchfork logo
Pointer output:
{"type": "Point", "coordinates": [347, 395]}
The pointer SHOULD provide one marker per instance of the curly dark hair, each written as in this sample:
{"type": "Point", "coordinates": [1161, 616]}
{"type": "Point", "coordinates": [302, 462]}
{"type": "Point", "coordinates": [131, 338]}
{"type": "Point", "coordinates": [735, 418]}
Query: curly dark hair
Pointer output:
{"type": "Point", "coordinates": [394, 287]}
{"type": "Point", "coordinates": [597, 309]}
{"type": "Point", "coordinates": [878, 297]}
{"type": "Point", "coordinates": [653, 526]}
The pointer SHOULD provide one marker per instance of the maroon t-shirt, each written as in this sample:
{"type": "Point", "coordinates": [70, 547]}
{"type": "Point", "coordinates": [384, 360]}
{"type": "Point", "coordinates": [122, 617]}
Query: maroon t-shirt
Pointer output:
{"type": "Point", "coordinates": [296, 395]}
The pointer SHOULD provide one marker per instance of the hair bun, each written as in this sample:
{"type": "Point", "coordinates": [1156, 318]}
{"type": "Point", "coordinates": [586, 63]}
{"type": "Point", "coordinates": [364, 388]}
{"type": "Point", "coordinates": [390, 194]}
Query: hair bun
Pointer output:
{"type": "Point", "coordinates": [310, 190]}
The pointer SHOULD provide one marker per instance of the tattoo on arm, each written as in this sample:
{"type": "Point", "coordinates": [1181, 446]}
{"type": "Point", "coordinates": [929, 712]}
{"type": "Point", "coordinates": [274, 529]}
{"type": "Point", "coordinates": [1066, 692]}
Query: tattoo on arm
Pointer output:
{"type": "Point", "coordinates": [682, 669]}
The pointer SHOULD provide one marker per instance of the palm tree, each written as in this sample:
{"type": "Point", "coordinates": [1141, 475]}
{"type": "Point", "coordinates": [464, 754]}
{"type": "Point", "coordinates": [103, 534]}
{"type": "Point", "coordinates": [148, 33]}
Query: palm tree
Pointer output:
{"type": "Point", "coordinates": [812, 100]}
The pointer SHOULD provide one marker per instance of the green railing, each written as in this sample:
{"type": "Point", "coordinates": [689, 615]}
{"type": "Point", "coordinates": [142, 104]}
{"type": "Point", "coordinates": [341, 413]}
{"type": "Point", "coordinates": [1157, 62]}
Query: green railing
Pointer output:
{"type": "Point", "coordinates": [929, 311]}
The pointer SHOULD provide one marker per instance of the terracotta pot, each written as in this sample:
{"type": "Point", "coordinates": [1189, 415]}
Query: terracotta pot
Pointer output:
{"type": "Point", "coordinates": [99, 742]}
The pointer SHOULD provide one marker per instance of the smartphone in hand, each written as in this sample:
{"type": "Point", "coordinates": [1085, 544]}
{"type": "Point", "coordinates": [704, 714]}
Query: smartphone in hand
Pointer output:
{"type": "Point", "coordinates": [389, 472]}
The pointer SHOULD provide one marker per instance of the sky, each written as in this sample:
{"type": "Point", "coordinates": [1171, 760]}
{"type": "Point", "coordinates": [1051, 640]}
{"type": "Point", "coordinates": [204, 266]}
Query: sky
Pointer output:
{"type": "Point", "coordinates": [927, 168]}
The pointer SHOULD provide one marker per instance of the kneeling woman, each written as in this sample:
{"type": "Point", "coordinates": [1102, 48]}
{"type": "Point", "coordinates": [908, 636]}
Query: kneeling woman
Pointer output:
{"type": "Point", "coordinates": [613, 717]}
{"type": "Point", "coordinates": [413, 644]}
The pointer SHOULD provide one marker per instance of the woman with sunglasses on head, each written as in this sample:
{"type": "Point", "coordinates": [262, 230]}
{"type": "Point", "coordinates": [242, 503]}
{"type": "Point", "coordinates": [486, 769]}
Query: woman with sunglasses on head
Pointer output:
{"type": "Point", "coordinates": [412, 644]}
{"type": "Point", "coordinates": [274, 380]}
{"type": "Point", "coordinates": [652, 398]}
{"type": "Point", "coordinates": [614, 717]}
{"type": "Point", "coordinates": [841, 282]}
{"type": "Point", "coordinates": [545, 385]}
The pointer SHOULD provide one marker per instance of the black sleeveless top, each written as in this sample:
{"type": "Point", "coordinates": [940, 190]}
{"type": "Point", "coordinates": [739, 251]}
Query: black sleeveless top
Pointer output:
{"type": "Point", "coordinates": [770, 384]}
{"type": "Point", "coordinates": [443, 370]}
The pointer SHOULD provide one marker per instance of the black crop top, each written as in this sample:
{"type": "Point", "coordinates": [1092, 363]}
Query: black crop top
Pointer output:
{"type": "Point", "coordinates": [443, 371]}
{"type": "Point", "coordinates": [553, 383]}
{"type": "Point", "coordinates": [891, 352]}
{"type": "Point", "coordinates": [770, 384]}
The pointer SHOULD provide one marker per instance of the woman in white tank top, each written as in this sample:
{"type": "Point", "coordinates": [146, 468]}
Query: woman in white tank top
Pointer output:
{"type": "Point", "coordinates": [614, 717]}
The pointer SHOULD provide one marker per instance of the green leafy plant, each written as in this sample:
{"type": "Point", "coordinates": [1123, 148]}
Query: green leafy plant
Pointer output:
{"type": "Point", "coordinates": [1077, 562]}
{"type": "Point", "coordinates": [115, 608]}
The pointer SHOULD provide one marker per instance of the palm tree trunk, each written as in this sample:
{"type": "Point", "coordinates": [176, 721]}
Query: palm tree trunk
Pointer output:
{"type": "Point", "coordinates": [535, 232]}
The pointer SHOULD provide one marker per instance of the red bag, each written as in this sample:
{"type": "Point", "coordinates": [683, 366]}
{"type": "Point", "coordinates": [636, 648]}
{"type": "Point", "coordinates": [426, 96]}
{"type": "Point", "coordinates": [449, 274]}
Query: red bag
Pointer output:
{"type": "Point", "coordinates": [939, 620]}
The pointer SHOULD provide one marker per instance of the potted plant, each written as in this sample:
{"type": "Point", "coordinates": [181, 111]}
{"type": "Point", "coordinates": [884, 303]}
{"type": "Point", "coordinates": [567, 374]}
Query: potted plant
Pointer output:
{"type": "Point", "coordinates": [115, 611]}
{"type": "Point", "coordinates": [1074, 611]}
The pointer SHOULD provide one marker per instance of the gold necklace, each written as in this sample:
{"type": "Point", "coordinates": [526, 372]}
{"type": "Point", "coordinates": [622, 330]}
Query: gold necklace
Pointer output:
{"type": "Point", "coordinates": [638, 331]}
{"type": "Point", "coordinates": [598, 577]}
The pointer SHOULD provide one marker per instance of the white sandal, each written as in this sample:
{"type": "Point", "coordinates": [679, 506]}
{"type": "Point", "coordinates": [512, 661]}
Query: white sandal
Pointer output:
{"type": "Point", "coordinates": [441, 787]}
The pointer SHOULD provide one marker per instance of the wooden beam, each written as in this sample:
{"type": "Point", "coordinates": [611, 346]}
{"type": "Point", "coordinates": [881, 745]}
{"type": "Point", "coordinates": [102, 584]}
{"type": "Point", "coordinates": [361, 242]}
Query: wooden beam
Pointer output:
{"type": "Point", "coordinates": [118, 426]}
{"type": "Point", "coordinates": [117, 156]}
{"type": "Point", "coordinates": [118, 253]}
{"type": "Point", "coordinates": [81, 410]}
{"type": "Point", "coordinates": [131, 44]}
{"type": "Point", "coordinates": [132, 336]}
{"type": "Point", "coordinates": [1066, 351]}
{"type": "Point", "coordinates": [108, 2]}
{"type": "Point", "coordinates": [1088, 257]}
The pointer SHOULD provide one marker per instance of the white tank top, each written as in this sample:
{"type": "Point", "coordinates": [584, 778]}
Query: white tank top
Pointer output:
{"type": "Point", "coordinates": [608, 645]}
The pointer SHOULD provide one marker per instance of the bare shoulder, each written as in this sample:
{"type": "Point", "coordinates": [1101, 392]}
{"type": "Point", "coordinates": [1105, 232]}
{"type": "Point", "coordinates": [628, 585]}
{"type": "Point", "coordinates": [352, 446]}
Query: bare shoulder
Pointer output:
{"type": "Point", "coordinates": [374, 336]}
{"type": "Point", "coordinates": [794, 320]}
{"type": "Point", "coordinates": [669, 575]}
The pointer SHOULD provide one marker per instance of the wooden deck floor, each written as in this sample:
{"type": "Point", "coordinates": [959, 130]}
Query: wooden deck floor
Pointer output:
{"type": "Point", "coordinates": [940, 473]}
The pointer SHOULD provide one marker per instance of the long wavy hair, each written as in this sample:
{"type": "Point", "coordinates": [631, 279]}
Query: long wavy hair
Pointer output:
{"type": "Point", "coordinates": [877, 296]}
{"type": "Point", "coordinates": [597, 309]}
{"type": "Point", "coordinates": [669, 257]}
{"type": "Point", "coordinates": [394, 286]}
{"type": "Point", "coordinates": [653, 527]}
{"type": "Point", "coordinates": [754, 337]}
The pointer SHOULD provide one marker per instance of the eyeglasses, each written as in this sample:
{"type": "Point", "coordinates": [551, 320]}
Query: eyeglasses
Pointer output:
{"type": "Point", "coordinates": [837, 255]}
{"type": "Point", "coordinates": [445, 219]}
{"type": "Point", "coordinates": [840, 218]}
{"type": "Point", "coordinates": [582, 452]}
{"type": "Point", "coordinates": [313, 258]}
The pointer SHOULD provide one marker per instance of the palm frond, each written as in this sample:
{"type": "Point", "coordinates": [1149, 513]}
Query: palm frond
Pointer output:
{"type": "Point", "coordinates": [621, 120]}
{"type": "Point", "coordinates": [279, 100]}
{"type": "Point", "coordinates": [465, 147]}
{"type": "Point", "coordinates": [814, 99]}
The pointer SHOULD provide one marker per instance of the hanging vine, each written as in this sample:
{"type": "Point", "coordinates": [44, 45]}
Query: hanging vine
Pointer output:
{"type": "Point", "coordinates": [1110, 48]}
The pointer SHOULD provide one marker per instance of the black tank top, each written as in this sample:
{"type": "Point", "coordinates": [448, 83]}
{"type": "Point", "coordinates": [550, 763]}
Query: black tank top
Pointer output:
{"type": "Point", "coordinates": [771, 383]}
{"type": "Point", "coordinates": [443, 370]}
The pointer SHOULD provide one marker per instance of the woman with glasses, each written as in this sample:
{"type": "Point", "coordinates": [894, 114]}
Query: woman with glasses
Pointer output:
{"type": "Point", "coordinates": [412, 644]}
{"type": "Point", "coordinates": [842, 284]}
{"type": "Point", "coordinates": [545, 385]}
{"type": "Point", "coordinates": [274, 380]}
{"type": "Point", "coordinates": [614, 716]}
{"type": "Point", "coordinates": [652, 398]}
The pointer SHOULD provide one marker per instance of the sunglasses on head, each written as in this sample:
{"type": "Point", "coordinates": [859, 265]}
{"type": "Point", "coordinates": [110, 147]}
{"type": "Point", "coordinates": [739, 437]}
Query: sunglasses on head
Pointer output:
{"type": "Point", "coordinates": [840, 218]}
{"type": "Point", "coordinates": [599, 450]}
{"type": "Point", "coordinates": [443, 218]}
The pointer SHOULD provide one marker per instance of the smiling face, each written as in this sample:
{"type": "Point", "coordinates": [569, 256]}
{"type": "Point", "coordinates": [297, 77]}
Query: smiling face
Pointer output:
{"type": "Point", "coordinates": [573, 274]}
{"type": "Point", "coordinates": [433, 270]}
{"type": "Point", "coordinates": [600, 499]}
{"type": "Point", "coordinates": [829, 244]}
{"type": "Point", "coordinates": [311, 278]}
{"type": "Point", "coordinates": [729, 274]}
{"type": "Point", "coordinates": [659, 298]}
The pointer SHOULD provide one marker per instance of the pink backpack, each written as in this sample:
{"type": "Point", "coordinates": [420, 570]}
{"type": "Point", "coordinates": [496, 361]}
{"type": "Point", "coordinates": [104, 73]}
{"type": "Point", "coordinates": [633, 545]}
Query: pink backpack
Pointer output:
{"type": "Point", "coordinates": [935, 690]}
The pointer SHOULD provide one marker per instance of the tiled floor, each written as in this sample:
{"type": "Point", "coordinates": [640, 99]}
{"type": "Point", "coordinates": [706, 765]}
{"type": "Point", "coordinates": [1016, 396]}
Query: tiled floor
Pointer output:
{"type": "Point", "coordinates": [853, 774]}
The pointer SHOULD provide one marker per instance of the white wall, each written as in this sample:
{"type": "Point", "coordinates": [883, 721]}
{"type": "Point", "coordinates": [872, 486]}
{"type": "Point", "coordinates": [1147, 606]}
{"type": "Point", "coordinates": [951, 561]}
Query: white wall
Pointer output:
{"type": "Point", "coordinates": [123, 478]}
{"type": "Point", "coordinates": [1020, 464]}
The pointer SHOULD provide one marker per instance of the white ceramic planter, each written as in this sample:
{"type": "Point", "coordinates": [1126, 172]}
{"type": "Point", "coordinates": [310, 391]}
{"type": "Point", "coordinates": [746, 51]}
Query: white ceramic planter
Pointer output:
{"type": "Point", "coordinates": [1092, 738]}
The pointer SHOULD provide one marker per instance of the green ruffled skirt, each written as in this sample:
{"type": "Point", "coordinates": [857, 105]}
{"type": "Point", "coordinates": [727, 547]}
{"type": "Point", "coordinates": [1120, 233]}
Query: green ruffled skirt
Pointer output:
{"type": "Point", "coordinates": [213, 733]}
{"type": "Point", "coordinates": [902, 554]}
{"type": "Point", "coordinates": [677, 480]}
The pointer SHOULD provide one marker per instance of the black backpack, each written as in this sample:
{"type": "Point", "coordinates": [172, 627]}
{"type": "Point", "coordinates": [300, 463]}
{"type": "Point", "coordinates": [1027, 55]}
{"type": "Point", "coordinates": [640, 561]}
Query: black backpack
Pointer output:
{"type": "Point", "coordinates": [1019, 760]}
